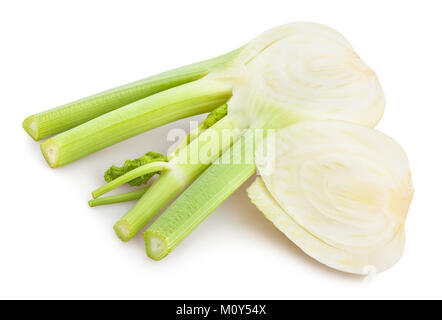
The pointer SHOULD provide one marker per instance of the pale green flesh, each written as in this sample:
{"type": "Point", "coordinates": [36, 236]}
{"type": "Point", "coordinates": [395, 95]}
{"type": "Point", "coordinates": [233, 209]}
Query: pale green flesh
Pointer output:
{"type": "Point", "coordinates": [197, 202]}
{"type": "Point", "coordinates": [70, 115]}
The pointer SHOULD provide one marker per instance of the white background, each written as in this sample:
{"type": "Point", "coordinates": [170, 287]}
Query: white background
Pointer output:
{"type": "Point", "coordinates": [52, 245]}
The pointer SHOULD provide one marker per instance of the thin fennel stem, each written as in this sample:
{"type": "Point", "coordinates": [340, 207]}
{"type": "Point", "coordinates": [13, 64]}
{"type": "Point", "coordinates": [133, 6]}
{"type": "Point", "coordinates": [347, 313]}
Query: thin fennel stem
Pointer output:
{"type": "Point", "coordinates": [122, 197]}
{"type": "Point", "coordinates": [171, 183]}
{"type": "Point", "coordinates": [198, 201]}
{"type": "Point", "coordinates": [147, 168]}
{"type": "Point", "coordinates": [70, 115]}
{"type": "Point", "coordinates": [180, 102]}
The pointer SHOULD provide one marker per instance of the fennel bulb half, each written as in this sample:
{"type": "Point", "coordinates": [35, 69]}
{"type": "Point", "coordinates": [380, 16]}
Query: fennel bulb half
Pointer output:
{"type": "Point", "coordinates": [340, 192]}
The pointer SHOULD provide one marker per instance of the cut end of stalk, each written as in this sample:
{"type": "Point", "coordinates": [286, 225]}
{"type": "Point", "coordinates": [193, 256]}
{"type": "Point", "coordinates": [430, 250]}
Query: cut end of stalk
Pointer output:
{"type": "Point", "coordinates": [123, 230]}
{"type": "Point", "coordinates": [50, 152]}
{"type": "Point", "coordinates": [156, 245]}
{"type": "Point", "coordinates": [30, 124]}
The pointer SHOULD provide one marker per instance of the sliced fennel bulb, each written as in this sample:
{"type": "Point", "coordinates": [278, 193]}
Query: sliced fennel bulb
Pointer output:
{"type": "Point", "coordinates": [296, 72]}
{"type": "Point", "coordinates": [340, 191]}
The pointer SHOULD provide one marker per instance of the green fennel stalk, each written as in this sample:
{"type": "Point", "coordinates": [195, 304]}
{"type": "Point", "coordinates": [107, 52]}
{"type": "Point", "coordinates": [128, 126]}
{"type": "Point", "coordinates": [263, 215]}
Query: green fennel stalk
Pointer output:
{"type": "Point", "coordinates": [198, 201]}
{"type": "Point", "coordinates": [47, 123]}
{"type": "Point", "coordinates": [190, 99]}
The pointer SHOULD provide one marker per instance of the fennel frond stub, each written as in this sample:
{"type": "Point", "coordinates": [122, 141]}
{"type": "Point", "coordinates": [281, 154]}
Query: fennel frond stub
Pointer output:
{"type": "Point", "coordinates": [341, 192]}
